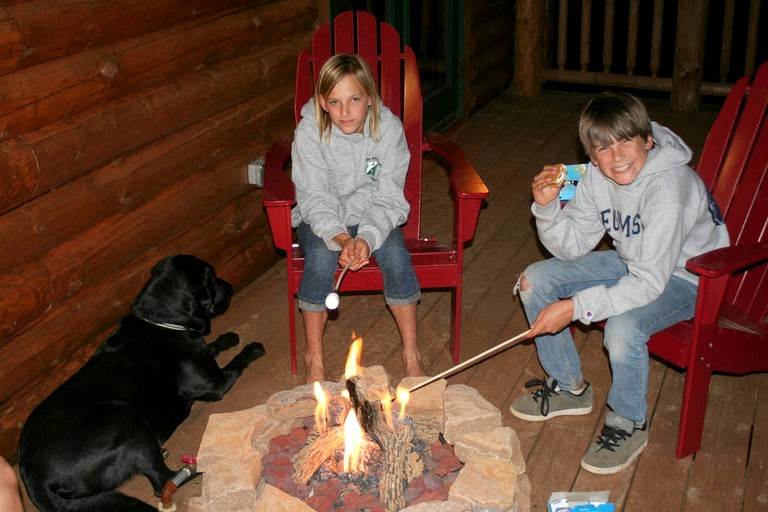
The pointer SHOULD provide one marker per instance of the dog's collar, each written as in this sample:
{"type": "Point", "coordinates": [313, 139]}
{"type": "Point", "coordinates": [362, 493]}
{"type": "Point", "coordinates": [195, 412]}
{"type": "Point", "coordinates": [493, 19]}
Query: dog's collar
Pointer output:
{"type": "Point", "coordinates": [164, 325]}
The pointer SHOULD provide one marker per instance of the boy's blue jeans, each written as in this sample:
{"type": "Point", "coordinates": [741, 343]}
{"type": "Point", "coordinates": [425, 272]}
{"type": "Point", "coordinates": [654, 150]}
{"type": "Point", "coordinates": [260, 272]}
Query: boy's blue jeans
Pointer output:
{"type": "Point", "coordinates": [401, 286]}
{"type": "Point", "coordinates": [625, 335]}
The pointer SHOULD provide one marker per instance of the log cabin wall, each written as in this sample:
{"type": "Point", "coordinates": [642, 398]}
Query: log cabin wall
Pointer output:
{"type": "Point", "coordinates": [490, 50]}
{"type": "Point", "coordinates": [126, 128]}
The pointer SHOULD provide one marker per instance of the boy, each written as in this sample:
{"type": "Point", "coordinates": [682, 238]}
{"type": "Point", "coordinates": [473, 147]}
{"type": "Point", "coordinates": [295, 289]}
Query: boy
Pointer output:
{"type": "Point", "coordinates": [641, 192]}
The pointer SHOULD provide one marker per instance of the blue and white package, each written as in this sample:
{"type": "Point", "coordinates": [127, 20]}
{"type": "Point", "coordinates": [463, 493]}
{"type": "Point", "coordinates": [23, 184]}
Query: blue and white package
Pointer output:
{"type": "Point", "coordinates": [573, 174]}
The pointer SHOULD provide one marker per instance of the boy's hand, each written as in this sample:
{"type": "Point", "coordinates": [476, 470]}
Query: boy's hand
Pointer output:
{"type": "Point", "coordinates": [553, 318]}
{"type": "Point", "coordinates": [546, 185]}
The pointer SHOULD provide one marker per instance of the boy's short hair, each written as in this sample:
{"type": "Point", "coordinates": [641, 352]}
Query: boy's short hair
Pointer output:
{"type": "Point", "coordinates": [613, 116]}
{"type": "Point", "coordinates": [336, 68]}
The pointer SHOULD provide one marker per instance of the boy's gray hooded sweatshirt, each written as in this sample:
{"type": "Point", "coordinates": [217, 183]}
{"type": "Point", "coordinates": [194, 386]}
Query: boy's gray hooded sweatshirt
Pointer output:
{"type": "Point", "coordinates": [351, 180]}
{"type": "Point", "coordinates": [656, 223]}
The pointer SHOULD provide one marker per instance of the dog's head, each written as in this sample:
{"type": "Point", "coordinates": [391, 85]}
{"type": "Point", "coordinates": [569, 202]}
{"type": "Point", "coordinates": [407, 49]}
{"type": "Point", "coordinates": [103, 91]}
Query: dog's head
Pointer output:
{"type": "Point", "coordinates": [183, 290]}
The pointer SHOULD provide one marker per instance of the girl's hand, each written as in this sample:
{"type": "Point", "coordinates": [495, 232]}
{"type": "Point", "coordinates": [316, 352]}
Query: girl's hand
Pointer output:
{"type": "Point", "coordinates": [361, 254]}
{"type": "Point", "coordinates": [553, 318]}
{"type": "Point", "coordinates": [354, 252]}
{"type": "Point", "coordinates": [545, 187]}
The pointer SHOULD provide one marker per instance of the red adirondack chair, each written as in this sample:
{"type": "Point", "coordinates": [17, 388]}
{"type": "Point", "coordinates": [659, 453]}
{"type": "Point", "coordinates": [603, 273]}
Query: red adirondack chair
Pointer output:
{"type": "Point", "coordinates": [437, 265]}
{"type": "Point", "coordinates": [729, 332]}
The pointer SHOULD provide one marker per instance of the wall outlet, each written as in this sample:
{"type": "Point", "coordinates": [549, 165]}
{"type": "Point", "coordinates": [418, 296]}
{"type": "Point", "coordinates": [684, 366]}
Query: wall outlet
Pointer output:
{"type": "Point", "coordinates": [256, 172]}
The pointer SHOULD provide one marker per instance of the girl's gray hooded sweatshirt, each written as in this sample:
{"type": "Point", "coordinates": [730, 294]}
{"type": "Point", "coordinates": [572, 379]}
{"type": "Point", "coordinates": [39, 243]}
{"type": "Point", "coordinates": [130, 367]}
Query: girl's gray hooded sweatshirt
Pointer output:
{"type": "Point", "coordinates": [656, 223]}
{"type": "Point", "coordinates": [351, 180]}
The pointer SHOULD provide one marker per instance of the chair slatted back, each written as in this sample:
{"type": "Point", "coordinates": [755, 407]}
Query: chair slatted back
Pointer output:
{"type": "Point", "coordinates": [734, 165]}
{"type": "Point", "coordinates": [397, 76]}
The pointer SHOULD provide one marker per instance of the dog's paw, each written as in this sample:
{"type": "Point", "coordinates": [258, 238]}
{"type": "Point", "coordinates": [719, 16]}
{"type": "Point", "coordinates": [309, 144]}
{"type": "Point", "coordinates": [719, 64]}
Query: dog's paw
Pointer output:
{"type": "Point", "coordinates": [253, 351]}
{"type": "Point", "coordinates": [228, 340]}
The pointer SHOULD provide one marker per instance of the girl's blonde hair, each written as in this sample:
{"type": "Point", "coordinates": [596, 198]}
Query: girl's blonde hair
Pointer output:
{"type": "Point", "coordinates": [336, 68]}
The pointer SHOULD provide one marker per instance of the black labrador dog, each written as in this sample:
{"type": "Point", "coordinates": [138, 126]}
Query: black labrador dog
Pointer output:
{"type": "Point", "coordinates": [108, 422]}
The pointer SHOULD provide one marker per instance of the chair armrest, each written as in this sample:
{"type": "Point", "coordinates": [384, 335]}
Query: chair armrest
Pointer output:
{"type": "Point", "coordinates": [727, 260]}
{"type": "Point", "coordinates": [465, 181]}
{"type": "Point", "coordinates": [278, 187]}
{"type": "Point", "coordinates": [468, 189]}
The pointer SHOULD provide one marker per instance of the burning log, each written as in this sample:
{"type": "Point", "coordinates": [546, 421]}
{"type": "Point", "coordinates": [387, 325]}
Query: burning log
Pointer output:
{"type": "Point", "coordinates": [312, 456]}
{"type": "Point", "coordinates": [368, 414]}
{"type": "Point", "coordinates": [395, 444]}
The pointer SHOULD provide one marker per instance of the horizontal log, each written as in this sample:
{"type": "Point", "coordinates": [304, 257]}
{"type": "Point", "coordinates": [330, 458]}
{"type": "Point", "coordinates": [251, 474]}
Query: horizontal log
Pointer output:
{"type": "Point", "coordinates": [82, 25]}
{"type": "Point", "coordinates": [68, 149]}
{"type": "Point", "coordinates": [487, 10]}
{"type": "Point", "coordinates": [34, 369]}
{"type": "Point", "coordinates": [487, 64]}
{"type": "Point", "coordinates": [19, 172]}
{"type": "Point", "coordinates": [492, 34]}
{"type": "Point", "coordinates": [40, 95]}
{"type": "Point", "coordinates": [11, 44]}
{"type": "Point", "coordinates": [606, 79]}
{"type": "Point", "coordinates": [25, 294]}
{"type": "Point", "coordinates": [127, 190]}
{"type": "Point", "coordinates": [129, 182]}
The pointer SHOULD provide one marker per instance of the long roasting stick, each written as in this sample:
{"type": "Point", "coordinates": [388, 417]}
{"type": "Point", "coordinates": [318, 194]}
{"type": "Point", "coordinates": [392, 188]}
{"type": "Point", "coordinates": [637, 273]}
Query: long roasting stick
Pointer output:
{"type": "Point", "coordinates": [469, 362]}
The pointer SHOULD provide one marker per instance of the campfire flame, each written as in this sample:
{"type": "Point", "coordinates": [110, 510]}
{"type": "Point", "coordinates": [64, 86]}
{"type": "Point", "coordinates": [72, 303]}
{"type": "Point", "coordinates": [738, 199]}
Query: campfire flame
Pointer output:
{"type": "Point", "coordinates": [386, 407]}
{"type": "Point", "coordinates": [403, 396]}
{"type": "Point", "coordinates": [353, 432]}
{"type": "Point", "coordinates": [321, 409]}
{"type": "Point", "coordinates": [354, 436]}
{"type": "Point", "coordinates": [353, 444]}
{"type": "Point", "coordinates": [352, 367]}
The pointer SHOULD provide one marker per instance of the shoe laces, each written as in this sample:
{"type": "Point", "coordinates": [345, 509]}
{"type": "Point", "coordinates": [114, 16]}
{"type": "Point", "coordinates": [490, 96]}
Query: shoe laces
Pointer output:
{"type": "Point", "coordinates": [542, 393]}
{"type": "Point", "coordinates": [611, 437]}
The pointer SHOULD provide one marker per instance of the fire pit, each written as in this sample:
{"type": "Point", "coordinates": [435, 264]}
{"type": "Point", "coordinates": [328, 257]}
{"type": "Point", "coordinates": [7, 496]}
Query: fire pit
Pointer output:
{"type": "Point", "coordinates": [446, 450]}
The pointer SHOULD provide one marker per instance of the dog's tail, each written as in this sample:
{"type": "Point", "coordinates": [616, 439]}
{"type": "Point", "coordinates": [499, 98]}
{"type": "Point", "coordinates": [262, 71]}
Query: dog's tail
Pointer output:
{"type": "Point", "coordinates": [112, 501]}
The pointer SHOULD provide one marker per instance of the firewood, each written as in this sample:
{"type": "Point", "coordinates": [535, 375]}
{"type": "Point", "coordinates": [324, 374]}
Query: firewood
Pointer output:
{"type": "Point", "coordinates": [396, 445]}
{"type": "Point", "coordinates": [396, 448]}
{"type": "Point", "coordinates": [312, 456]}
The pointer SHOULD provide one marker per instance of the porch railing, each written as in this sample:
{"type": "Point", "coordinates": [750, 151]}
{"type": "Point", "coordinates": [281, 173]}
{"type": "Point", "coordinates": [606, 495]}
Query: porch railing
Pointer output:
{"type": "Point", "coordinates": [656, 45]}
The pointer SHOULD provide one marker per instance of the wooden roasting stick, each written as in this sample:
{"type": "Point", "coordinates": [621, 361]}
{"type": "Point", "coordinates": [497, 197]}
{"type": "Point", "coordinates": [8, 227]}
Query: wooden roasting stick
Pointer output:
{"type": "Point", "coordinates": [469, 362]}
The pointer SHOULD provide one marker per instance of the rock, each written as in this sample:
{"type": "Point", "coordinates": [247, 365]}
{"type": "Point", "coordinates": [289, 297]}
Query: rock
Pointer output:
{"type": "Point", "coordinates": [230, 484]}
{"type": "Point", "coordinates": [467, 411]}
{"type": "Point", "coordinates": [426, 401]}
{"type": "Point", "coordinates": [522, 494]}
{"type": "Point", "coordinates": [488, 483]}
{"type": "Point", "coordinates": [437, 506]}
{"type": "Point", "coordinates": [228, 435]}
{"type": "Point", "coordinates": [298, 402]}
{"type": "Point", "coordinates": [499, 443]}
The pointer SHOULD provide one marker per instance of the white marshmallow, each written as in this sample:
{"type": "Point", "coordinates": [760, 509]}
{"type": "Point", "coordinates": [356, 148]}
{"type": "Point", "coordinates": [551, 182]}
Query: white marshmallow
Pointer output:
{"type": "Point", "coordinates": [332, 300]}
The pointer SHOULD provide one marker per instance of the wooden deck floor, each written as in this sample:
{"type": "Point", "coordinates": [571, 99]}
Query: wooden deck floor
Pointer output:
{"type": "Point", "coordinates": [508, 141]}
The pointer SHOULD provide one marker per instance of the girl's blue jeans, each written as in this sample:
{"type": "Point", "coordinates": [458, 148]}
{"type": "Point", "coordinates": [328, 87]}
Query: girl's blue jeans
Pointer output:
{"type": "Point", "coordinates": [625, 335]}
{"type": "Point", "coordinates": [401, 286]}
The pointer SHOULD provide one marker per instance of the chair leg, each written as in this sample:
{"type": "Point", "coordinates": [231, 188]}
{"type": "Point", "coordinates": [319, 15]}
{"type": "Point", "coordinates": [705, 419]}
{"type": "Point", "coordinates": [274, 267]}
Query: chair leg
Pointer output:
{"type": "Point", "coordinates": [693, 410]}
{"type": "Point", "coordinates": [292, 331]}
{"type": "Point", "coordinates": [292, 317]}
{"type": "Point", "coordinates": [456, 305]}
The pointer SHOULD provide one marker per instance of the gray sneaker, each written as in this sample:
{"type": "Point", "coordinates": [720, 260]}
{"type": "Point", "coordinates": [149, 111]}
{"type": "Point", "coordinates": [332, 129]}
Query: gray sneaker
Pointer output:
{"type": "Point", "coordinates": [549, 401]}
{"type": "Point", "coordinates": [619, 443]}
